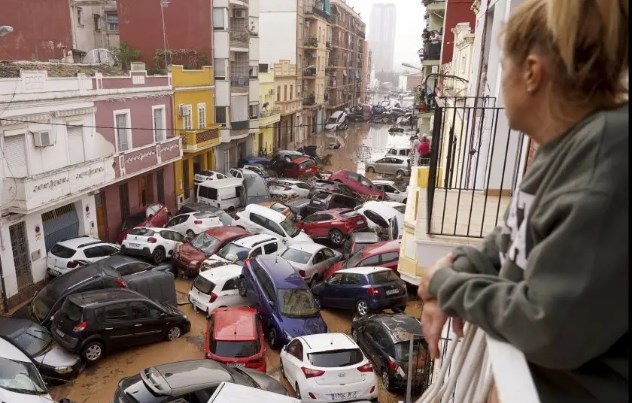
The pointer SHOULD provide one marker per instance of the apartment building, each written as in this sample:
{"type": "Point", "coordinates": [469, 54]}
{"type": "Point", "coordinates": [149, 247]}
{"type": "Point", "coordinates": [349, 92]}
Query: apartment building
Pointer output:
{"type": "Point", "coordinates": [288, 99]}
{"type": "Point", "coordinates": [269, 115]}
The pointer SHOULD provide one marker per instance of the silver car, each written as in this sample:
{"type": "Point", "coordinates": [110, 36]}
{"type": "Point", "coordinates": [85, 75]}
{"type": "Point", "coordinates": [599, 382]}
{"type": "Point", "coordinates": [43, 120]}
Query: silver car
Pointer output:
{"type": "Point", "coordinates": [398, 166]}
{"type": "Point", "coordinates": [310, 260]}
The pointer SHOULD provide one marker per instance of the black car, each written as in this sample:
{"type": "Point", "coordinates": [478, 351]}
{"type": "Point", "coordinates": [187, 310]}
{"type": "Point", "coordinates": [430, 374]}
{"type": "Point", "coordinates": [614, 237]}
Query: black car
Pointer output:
{"type": "Point", "coordinates": [194, 207]}
{"type": "Point", "coordinates": [385, 341]}
{"type": "Point", "coordinates": [96, 322]}
{"type": "Point", "coordinates": [299, 207]}
{"type": "Point", "coordinates": [191, 381]}
{"type": "Point", "coordinates": [321, 185]}
{"type": "Point", "coordinates": [128, 265]}
{"type": "Point", "coordinates": [55, 364]}
{"type": "Point", "coordinates": [328, 201]}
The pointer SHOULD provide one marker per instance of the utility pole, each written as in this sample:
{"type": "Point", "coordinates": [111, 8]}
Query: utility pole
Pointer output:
{"type": "Point", "coordinates": [163, 5]}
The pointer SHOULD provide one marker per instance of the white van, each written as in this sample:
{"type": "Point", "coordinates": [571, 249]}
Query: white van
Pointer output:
{"type": "Point", "coordinates": [258, 219]}
{"type": "Point", "coordinates": [398, 151]}
{"type": "Point", "coordinates": [226, 194]}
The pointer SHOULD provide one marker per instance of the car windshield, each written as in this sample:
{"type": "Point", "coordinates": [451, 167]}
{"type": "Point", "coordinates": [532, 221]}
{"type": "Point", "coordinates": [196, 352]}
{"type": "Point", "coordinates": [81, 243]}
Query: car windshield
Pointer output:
{"type": "Point", "coordinates": [203, 285]}
{"type": "Point", "coordinates": [332, 119]}
{"type": "Point", "coordinates": [62, 251]}
{"type": "Point", "coordinates": [205, 243]}
{"type": "Point", "coordinates": [383, 277]}
{"type": "Point", "coordinates": [20, 377]}
{"type": "Point", "coordinates": [290, 227]}
{"type": "Point", "coordinates": [355, 260]}
{"type": "Point", "coordinates": [34, 340]}
{"type": "Point", "coordinates": [233, 250]}
{"type": "Point", "coordinates": [234, 348]}
{"type": "Point", "coordinates": [402, 350]}
{"type": "Point", "coordinates": [336, 358]}
{"type": "Point", "coordinates": [43, 302]}
{"type": "Point", "coordinates": [297, 303]}
{"type": "Point", "coordinates": [142, 232]}
{"type": "Point", "coordinates": [71, 311]}
{"type": "Point", "coordinates": [255, 186]}
{"type": "Point", "coordinates": [400, 209]}
{"type": "Point", "coordinates": [296, 255]}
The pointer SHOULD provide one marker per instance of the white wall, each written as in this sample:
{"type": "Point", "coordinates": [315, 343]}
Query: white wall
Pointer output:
{"type": "Point", "coordinates": [221, 44]}
{"type": "Point", "coordinates": [253, 91]}
{"type": "Point", "coordinates": [222, 93]}
{"type": "Point", "coordinates": [277, 36]}
{"type": "Point", "coordinates": [253, 49]}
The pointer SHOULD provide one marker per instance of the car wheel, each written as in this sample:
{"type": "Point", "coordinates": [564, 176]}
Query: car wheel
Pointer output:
{"type": "Point", "coordinates": [400, 174]}
{"type": "Point", "coordinates": [361, 307]}
{"type": "Point", "coordinates": [158, 255]}
{"type": "Point", "coordinates": [399, 309]}
{"type": "Point", "coordinates": [354, 335]}
{"type": "Point", "coordinates": [122, 249]}
{"type": "Point", "coordinates": [297, 391]}
{"type": "Point", "coordinates": [92, 352]}
{"type": "Point", "coordinates": [173, 333]}
{"type": "Point", "coordinates": [336, 237]}
{"type": "Point", "coordinates": [370, 170]}
{"type": "Point", "coordinates": [190, 233]}
{"type": "Point", "coordinates": [312, 282]}
{"type": "Point", "coordinates": [386, 380]}
{"type": "Point", "coordinates": [241, 287]}
{"type": "Point", "coordinates": [271, 336]}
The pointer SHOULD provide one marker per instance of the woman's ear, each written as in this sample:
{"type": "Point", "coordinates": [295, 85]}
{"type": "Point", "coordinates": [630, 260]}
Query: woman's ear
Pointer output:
{"type": "Point", "coordinates": [533, 74]}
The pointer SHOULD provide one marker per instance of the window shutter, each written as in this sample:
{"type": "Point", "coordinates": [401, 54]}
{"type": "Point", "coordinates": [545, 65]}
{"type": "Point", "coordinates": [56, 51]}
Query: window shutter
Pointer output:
{"type": "Point", "coordinates": [15, 154]}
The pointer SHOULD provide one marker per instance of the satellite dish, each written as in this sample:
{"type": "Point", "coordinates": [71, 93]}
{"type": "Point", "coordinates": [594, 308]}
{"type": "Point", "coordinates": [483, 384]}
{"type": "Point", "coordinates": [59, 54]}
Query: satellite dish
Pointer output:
{"type": "Point", "coordinates": [100, 56]}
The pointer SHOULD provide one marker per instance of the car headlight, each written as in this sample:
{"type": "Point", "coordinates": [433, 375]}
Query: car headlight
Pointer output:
{"type": "Point", "coordinates": [63, 370]}
{"type": "Point", "coordinates": [185, 317]}
{"type": "Point", "coordinates": [193, 263]}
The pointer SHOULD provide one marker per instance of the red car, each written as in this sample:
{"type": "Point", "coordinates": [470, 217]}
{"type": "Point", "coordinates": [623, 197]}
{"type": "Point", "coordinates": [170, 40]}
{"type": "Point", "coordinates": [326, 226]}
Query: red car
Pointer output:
{"type": "Point", "coordinates": [302, 166]}
{"type": "Point", "coordinates": [335, 224]}
{"type": "Point", "coordinates": [155, 215]}
{"type": "Point", "coordinates": [383, 254]}
{"type": "Point", "coordinates": [189, 256]}
{"type": "Point", "coordinates": [235, 337]}
{"type": "Point", "coordinates": [358, 183]}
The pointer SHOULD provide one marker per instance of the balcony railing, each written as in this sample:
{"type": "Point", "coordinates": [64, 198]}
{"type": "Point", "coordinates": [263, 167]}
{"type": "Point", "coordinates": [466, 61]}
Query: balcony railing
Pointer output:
{"type": "Point", "coordinates": [196, 140]}
{"type": "Point", "coordinates": [309, 72]}
{"type": "Point", "coordinates": [239, 84]}
{"type": "Point", "coordinates": [310, 100]}
{"type": "Point", "coordinates": [431, 51]}
{"type": "Point", "coordinates": [239, 38]}
{"type": "Point", "coordinates": [311, 41]}
{"type": "Point", "coordinates": [275, 110]}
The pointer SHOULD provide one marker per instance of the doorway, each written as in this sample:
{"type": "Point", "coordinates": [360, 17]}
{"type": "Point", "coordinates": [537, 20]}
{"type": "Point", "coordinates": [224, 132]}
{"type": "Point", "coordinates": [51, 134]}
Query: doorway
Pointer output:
{"type": "Point", "coordinates": [21, 258]}
{"type": "Point", "coordinates": [102, 218]}
{"type": "Point", "coordinates": [185, 178]}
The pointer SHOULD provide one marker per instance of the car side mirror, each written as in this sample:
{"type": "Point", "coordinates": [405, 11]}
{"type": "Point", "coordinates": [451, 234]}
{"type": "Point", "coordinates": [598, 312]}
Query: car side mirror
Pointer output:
{"type": "Point", "coordinates": [271, 303]}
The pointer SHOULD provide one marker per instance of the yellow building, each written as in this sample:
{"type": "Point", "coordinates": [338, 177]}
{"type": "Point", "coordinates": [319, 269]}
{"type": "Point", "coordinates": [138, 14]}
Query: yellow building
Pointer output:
{"type": "Point", "coordinates": [269, 115]}
{"type": "Point", "coordinates": [194, 120]}
{"type": "Point", "coordinates": [288, 100]}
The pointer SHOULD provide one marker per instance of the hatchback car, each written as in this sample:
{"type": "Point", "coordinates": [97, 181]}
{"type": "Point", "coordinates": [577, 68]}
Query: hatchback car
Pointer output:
{"type": "Point", "coordinates": [383, 254]}
{"type": "Point", "coordinates": [241, 249]}
{"type": "Point", "coordinates": [391, 191]}
{"type": "Point", "coordinates": [216, 288]}
{"type": "Point", "coordinates": [328, 367]}
{"type": "Point", "coordinates": [383, 217]}
{"type": "Point", "coordinates": [191, 381]}
{"type": "Point", "coordinates": [189, 256]}
{"type": "Point", "coordinates": [55, 364]}
{"type": "Point", "coordinates": [400, 167]}
{"type": "Point", "coordinates": [365, 289]}
{"type": "Point", "coordinates": [157, 244]}
{"type": "Point", "coordinates": [334, 224]}
{"type": "Point", "coordinates": [20, 380]}
{"type": "Point", "coordinates": [298, 167]}
{"type": "Point", "coordinates": [288, 188]}
{"type": "Point", "coordinates": [281, 296]}
{"type": "Point", "coordinates": [357, 241]}
{"type": "Point", "coordinates": [326, 201]}
{"type": "Point", "coordinates": [206, 175]}
{"type": "Point", "coordinates": [337, 121]}
{"type": "Point", "coordinates": [310, 260]}
{"type": "Point", "coordinates": [155, 215]}
{"type": "Point", "coordinates": [93, 323]}
{"type": "Point", "coordinates": [191, 224]}
{"type": "Point", "coordinates": [67, 255]}
{"type": "Point", "coordinates": [235, 337]}
{"type": "Point", "coordinates": [385, 339]}
{"type": "Point", "coordinates": [193, 207]}
{"type": "Point", "coordinates": [261, 220]}
{"type": "Point", "coordinates": [358, 184]}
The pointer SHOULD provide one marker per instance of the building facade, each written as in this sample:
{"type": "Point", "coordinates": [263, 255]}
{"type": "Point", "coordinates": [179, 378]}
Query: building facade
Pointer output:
{"type": "Point", "coordinates": [194, 121]}
{"type": "Point", "coordinates": [54, 160]}
{"type": "Point", "coordinates": [95, 25]}
{"type": "Point", "coordinates": [269, 115]}
{"type": "Point", "coordinates": [289, 101]}
{"type": "Point", "coordinates": [382, 37]}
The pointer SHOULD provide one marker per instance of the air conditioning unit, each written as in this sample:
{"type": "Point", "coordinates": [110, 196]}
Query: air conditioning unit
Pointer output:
{"type": "Point", "coordinates": [239, 13]}
{"type": "Point", "coordinates": [183, 110]}
{"type": "Point", "coordinates": [137, 66]}
{"type": "Point", "coordinates": [43, 139]}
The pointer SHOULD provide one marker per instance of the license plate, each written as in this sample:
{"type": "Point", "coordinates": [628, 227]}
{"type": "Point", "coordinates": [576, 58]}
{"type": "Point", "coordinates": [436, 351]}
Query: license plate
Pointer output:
{"type": "Point", "coordinates": [392, 292]}
{"type": "Point", "coordinates": [134, 245]}
{"type": "Point", "coordinates": [235, 364]}
{"type": "Point", "coordinates": [359, 222]}
{"type": "Point", "coordinates": [346, 395]}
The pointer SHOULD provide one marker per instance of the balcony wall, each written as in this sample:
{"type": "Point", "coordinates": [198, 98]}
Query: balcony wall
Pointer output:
{"type": "Point", "coordinates": [198, 140]}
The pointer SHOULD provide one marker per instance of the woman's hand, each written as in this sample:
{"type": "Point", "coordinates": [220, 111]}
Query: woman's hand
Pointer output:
{"type": "Point", "coordinates": [423, 288]}
{"type": "Point", "coordinates": [433, 320]}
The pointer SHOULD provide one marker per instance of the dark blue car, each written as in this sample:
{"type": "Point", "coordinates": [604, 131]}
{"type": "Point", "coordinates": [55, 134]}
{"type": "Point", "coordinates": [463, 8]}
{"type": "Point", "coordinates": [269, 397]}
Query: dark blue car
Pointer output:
{"type": "Point", "coordinates": [364, 289]}
{"type": "Point", "coordinates": [251, 160]}
{"type": "Point", "coordinates": [281, 297]}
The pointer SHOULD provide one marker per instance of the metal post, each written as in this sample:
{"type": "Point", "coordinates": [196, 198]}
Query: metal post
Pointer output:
{"type": "Point", "coordinates": [410, 371]}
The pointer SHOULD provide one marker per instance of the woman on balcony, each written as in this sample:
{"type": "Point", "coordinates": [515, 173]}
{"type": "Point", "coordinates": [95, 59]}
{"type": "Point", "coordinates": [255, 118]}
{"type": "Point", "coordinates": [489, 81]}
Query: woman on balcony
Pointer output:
{"type": "Point", "coordinates": [554, 280]}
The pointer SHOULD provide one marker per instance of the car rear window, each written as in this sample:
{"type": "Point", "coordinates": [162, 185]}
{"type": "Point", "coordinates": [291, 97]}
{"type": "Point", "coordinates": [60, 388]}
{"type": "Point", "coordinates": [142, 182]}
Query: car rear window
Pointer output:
{"type": "Point", "coordinates": [383, 277]}
{"type": "Point", "coordinates": [63, 251]}
{"type": "Point", "coordinates": [336, 358]}
{"type": "Point", "coordinates": [349, 213]}
{"type": "Point", "coordinates": [307, 164]}
{"type": "Point", "coordinates": [321, 195]}
{"type": "Point", "coordinates": [203, 285]}
{"type": "Point", "coordinates": [297, 256]}
{"type": "Point", "coordinates": [234, 348]}
{"type": "Point", "coordinates": [142, 232]}
{"type": "Point", "coordinates": [71, 311]}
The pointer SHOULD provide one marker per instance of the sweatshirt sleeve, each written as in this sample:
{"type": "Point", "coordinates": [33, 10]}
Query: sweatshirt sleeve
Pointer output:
{"type": "Point", "coordinates": [569, 306]}
{"type": "Point", "coordinates": [483, 259]}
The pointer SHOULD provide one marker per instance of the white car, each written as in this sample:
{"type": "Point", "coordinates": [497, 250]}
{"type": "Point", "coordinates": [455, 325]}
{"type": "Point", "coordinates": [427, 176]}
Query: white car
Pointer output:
{"type": "Point", "coordinates": [72, 253]}
{"type": "Point", "coordinates": [263, 220]}
{"type": "Point", "coordinates": [288, 188]}
{"type": "Point", "coordinates": [310, 260]}
{"type": "Point", "coordinates": [240, 173]}
{"type": "Point", "coordinates": [207, 175]}
{"type": "Point", "coordinates": [257, 169]}
{"type": "Point", "coordinates": [337, 121]}
{"type": "Point", "coordinates": [191, 224]}
{"type": "Point", "coordinates": [328, 367]}
{"type": "Point", "coordinates": [381, 215]}
{"type": "Point", "coordinates": [391, 191]}
{"type": "Point", "coordinates": [399, 207]}
{"type": "Point", "coordinates": [155, 243]}
{"type": "Point", "coordinates": [216, 288]}
{"type": "Point", "coordinates": [20, 381]}
{"type": "Point", "coordinates": [241, 249]}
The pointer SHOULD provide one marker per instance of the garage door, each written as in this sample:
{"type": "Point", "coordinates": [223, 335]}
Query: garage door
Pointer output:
{"type": "Point", "coordinates": [60, 224]}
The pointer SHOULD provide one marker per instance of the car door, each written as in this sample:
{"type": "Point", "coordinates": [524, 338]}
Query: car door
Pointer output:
{"type": "Point", "coordinates": [171, 240]}
{"type": "Point", "coordinates": [256, 224]}
{"type": "Point", "coordinates": [293, 360]}
{"type": "Point", "coordinates": [389, 260]}
{"type": "Point", "coordinates": [117, 325]}
{"type": "Point", "coordinates": [321, 227]}
{"type": "Point", "coordinates": [330, 258]}
{"type": "Point", "coordinates": [273, 247]}
{"type": "Point", "coordinates": [309, 224]}
{"type": "Point", "coordinates": [379, 164]}
{"type": "Point", "coordinates": [275, 229]}
{"type": "Point", "coordinates": [366, 339]}
{"type": "Point", "coordinates": [330, 294]}
{"type": "Point", "coordinates": [148, 323]}
{"type": "Point", "coordinates": [351, 290]}
{"type": "Point", "coordinates": [230, 293]}
{"type": "Point", "coordinates": [176, 222]}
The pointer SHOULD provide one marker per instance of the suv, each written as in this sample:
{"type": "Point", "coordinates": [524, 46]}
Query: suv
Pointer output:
{"type": "Point", "coordinates": [72, 253]}
{"type": "Point", "coordinates": [155, 243]}
{"type": "Point", "coordinates": [383, 254]}
{"type": "Point", "coordinates": [298, 167]}
{"type": "Point", "coordinates": [327, 201]}
{"type": "Point", "coordinates": [358, 184]}
{"type": "Point", "coordinates": [154, 215]}
{"type": "Point", "coordinates": [94, 322]}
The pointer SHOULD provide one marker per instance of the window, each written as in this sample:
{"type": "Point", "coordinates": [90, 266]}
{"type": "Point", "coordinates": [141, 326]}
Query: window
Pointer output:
{"type": "Point", "coordinates": [122, 128]}
{"type": "Point", "coordinates": [143, 310]}
{"type": "Point", "coordinates": [253, 71]}
{"type": "Point", "coordinates": [15, 154]}
{"type": "Point", "coordinates": [75, 143]}
{"type": "Point", "coordinates": [389, 257]}
{"type": "Point", "coordinates": [97, 22]}
{"type": "Point", "coordinates": [79, 15]}
{"type": "Point", "coordinates": [100, 251]}
{"type": "Point", "coordinates": [270, 248]}
{"type": "Point", "coordinates": [115, 313]}
{"type": "Point", "coordinates": [202, 115]}
{"type": "Point", "coordinates": [219, 68]}
{"type": "Point", "coordinates": [285, 92]}
{"type": "Point", "coordinates": [253, 111]}
{"type": "Point", "coordinates": [221, 114]}
{"type": "Point", "coordinates": [159, 122]}
{"type": "Point", "coordinates": [292, 94]}
{"type": "Point", "coordinates": [295, 348]}
{"type": "Point", "coordinates": [219, 21]}
{"type": "Point", "coordinates": [370, 261]}
{"type": "Point", "coordinates": [187, 120]}
{"type": "Point", "coordinates": [112, 21]}
{"type": "Point", "coordinates": [231, 284]}
{"type": "Point", "coordinates": [351, 279]}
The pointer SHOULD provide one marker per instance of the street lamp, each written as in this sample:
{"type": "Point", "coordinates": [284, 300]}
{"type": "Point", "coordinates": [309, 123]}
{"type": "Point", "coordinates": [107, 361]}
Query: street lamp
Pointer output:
{"type": "Point", "coordinates": [412, 67]}
{"type": "Point", "coordinates": [5, 29]}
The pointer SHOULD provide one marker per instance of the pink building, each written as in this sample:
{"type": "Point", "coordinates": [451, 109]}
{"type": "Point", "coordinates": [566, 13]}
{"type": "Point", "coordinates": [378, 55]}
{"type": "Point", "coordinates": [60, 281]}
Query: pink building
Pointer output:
{"type": "Point", "coordinates": [134, 117]}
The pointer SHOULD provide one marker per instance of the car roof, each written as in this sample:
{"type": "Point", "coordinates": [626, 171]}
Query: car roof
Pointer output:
{"type": "Point", "coordinates": [221, 273]}
{"type": "Point", "coordinates": [221, 183]}
{"type": "Point", "coordinates": [300, 160]}
{"type": "Point", "coordinates": [335, 211]}
{"type": "Point", "coordinates": [226, 233]}
{"type": "Point", "coordinates": [310, 247]}
{"type": "Point", "coordinates": [98, 297]}
{"type": "Point", "coordinates": [80, 242]}
{"type": "Point", "coordinates": [10, 351]}
{"type": "Point", "coordinates": [364, 237]}
{"type": "Point", "coordinates": [281, 272]}
{"type": "Point", "coordinates": [400, 326]}
{"type": "Point", "coordinates": [117, 260]}
{"type": "Point", "coordinates": [252, 240]}
{"type": "Point", "coordinates": [62, 284]}
{"type": "Point", "coordinates": [177, 378]}
{"type": "Point", "coordinates": [268, 212]}
{"type": "Point", "coordinates": [235, 324]}
{"type": "Point", "coordinates": [382, 247]}
{"type": "Point", "coordinates": [328, 342]}
{"type": "Point", "coordinates": [383, 181]}
{"type": "Point", "coordinates": [364, 270]}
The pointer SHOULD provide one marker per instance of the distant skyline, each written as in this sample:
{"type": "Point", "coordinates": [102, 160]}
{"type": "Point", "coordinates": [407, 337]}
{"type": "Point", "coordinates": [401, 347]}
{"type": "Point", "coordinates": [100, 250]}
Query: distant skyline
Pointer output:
{"type": "Point", "coordinates": [409, 26]}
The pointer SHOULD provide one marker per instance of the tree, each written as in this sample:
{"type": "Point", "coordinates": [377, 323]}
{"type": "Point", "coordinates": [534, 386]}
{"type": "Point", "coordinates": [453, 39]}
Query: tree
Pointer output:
{"type": "Point", "coordinates": [126, 55]}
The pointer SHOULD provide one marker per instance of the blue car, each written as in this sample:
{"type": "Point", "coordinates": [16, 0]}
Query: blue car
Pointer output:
{"type": "Point", "coordinates": [282, 299]}
{"type": "Point", "coordinates": [365, 289]}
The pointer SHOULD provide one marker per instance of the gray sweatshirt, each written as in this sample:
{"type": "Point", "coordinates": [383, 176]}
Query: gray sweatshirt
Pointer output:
{"type": "Point", "coordinates": [554, 280]}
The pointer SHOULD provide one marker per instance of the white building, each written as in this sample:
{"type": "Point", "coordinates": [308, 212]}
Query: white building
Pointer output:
{"type": "Point", "coordinates": [95, 25]}
{"type": "Point", "coordinates": [52, 161]}
{"type": "Point", "coordinates": [236, 61]}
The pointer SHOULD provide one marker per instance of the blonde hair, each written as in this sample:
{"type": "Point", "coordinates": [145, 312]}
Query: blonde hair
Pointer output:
{"type": "Point", "coordinates": [586, 43]}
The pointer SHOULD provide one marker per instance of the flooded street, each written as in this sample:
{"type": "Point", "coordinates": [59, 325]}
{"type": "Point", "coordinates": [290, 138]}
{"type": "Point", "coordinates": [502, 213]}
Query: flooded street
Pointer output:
{"type": "Point", "coordinates": [98, 383]}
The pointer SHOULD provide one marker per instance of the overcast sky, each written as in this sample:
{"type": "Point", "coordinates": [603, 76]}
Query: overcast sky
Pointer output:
{"type": "Point", "coordinates": [410, 17]}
